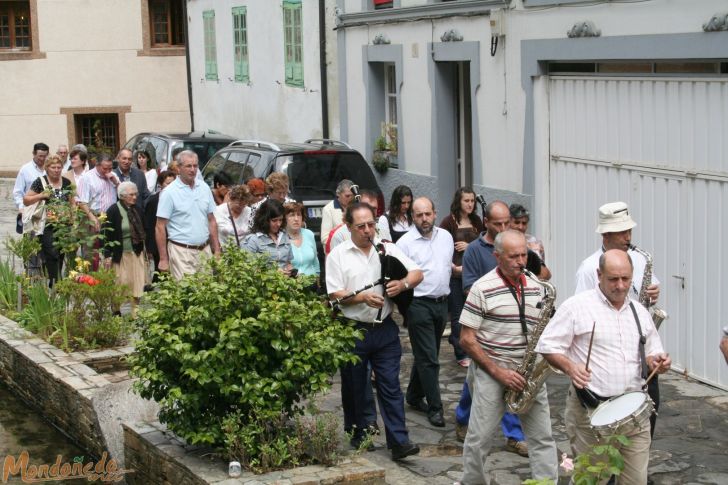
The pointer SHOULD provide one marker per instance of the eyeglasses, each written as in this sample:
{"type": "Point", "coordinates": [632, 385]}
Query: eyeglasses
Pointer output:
{"type": "Point", "coordinates": [370, 225]}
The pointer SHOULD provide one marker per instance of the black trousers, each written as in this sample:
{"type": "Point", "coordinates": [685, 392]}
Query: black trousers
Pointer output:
{"type": "Point", "coordinates": [52, 258]}
{"type": "Point", "coordinates": [653, 390]}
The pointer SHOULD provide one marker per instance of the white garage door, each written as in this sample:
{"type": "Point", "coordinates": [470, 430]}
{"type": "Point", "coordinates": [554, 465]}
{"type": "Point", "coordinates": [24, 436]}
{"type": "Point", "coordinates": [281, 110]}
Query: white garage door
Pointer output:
{"type": "Point", "coordinates": [661, 145]}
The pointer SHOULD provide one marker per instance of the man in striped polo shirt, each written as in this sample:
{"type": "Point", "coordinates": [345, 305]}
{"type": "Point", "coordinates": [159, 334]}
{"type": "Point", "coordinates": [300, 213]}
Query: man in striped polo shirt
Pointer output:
{"type": "Point", "coordinates": [499, 313]}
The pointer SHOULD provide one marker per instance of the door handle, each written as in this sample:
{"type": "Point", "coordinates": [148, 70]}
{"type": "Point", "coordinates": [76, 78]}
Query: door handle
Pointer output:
{"type": "Point", "coordinates": [682, 280]}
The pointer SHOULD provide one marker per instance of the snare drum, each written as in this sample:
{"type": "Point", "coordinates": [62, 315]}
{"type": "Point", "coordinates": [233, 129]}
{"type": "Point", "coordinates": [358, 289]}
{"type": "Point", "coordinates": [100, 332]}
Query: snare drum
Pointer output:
{"type": "Point", "coordinates": [622, 414]}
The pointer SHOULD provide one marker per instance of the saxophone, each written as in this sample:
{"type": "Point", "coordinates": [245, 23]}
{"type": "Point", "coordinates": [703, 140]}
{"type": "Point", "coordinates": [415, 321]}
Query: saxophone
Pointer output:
{"type": "Point", "coordinates": [533, 367]}
{"type": "Point", "coordinates": [658, 314]}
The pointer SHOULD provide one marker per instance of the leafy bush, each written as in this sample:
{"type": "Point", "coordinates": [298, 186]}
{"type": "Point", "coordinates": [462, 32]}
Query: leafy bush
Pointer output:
{"type": "Point", "coordinates": [234, 344]}
{"type": "Point", "coordinates": [24, 247]}
{"type": "Point", "coordinates": [91, 316]}
{"type": "Point", "coordinates": [266, 441]}
{"type": "Point", "coordinates": [71, 228]}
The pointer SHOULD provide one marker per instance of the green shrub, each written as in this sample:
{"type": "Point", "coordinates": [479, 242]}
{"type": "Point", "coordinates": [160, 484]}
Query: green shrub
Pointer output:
{"type": "Point", "coordinates": [235, 343]}
{"type": "Point", "coordinates": [43, 310]}
{"type": "Point", "coordinates": [90, 319]}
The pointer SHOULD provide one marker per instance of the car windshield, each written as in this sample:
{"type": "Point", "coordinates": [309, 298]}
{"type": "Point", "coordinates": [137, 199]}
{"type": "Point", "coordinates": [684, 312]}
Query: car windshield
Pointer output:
{"type": "Point", "coordinates": [315, 174]}
{"type": "Point", "coordinates": [203, 148]}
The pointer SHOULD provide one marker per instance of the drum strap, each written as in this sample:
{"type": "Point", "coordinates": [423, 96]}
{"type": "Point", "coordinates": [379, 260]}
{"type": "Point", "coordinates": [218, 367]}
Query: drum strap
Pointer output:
{"type": "Point", "coordinates": [642, 342]}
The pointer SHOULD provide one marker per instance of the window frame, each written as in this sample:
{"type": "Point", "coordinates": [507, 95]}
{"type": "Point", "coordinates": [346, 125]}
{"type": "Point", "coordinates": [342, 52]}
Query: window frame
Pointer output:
{"type": "Point", "coordinates": [391, 101]}
{"type": "Point", "coordinates": [293, 43]}
{"type": "Point", "coordinates": [32, 51]}
{"type": "Point", "coordinates": [241, 62]}
{"type": "Point", "coordinates": [149, 48]}
{"type": "Point", "coordinates": [210, 45]}
{"type": "Point", "coordinates": [171, 7]}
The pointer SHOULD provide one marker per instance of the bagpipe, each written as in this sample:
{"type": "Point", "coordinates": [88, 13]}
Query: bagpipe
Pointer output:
{"type": "Point", "coordinates": [391, 269]}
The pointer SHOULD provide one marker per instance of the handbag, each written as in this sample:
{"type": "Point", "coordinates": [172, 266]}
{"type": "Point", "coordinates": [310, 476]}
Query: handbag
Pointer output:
{"type": "Point", "coordinates": [34, 215]}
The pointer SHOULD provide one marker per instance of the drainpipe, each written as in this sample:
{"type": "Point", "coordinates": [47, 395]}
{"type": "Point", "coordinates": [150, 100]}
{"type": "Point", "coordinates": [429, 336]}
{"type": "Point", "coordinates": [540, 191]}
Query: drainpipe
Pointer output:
{"type": "Point", "coordinates": [189, 73]}
{"type": "Point", "coordinates": [322, 67]}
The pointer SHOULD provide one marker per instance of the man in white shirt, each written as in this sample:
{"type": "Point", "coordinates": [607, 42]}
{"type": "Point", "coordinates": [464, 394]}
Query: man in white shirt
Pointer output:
{"type": "Point", "coordinates": [333, 211]}
{"type": "Point", "coordinates": [615, 226]}
{"type": "Point", "coordinates": [606, 320]}
{"type": "Point", "coordinates": [28, 173]}
{"type": "Point", "coordinates": [350, 267]}
{"type": "Point", "coordinates": [431, 248]}
{"type": "Point", "coordinates": [341, 233]}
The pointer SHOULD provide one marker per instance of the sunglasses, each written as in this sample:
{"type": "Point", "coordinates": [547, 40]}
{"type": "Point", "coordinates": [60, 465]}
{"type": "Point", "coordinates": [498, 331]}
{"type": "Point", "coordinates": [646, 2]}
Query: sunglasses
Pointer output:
{"type": "Point", "coordinates": [370, 225]}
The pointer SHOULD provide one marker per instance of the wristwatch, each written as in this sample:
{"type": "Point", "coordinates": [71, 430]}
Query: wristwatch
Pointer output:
{"type": "Point", "coordinates": [406, 285]}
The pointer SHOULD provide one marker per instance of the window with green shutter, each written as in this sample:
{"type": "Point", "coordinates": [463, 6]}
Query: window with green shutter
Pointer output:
{"type": "Point", "coordinates": [240, 44]}
{"type": "Point", "coordinates": [293, 42]}
{"type": "Point", "coordinates": [208, 22]}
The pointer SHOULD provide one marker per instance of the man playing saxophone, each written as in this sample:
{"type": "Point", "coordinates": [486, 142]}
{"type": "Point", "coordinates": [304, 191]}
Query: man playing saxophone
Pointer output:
{"type": "Point", "coordinates": [615, 226]}
{"type": "Point", "coordinates": [500, 314]}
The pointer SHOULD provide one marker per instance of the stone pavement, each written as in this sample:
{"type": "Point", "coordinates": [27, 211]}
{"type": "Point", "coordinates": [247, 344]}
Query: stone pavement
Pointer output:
{"type": "Point", "coordinates": [690, 445]}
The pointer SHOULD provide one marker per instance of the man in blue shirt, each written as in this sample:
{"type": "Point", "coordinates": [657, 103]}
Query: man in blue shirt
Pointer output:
{"type": "Point", "coordinates": [185, 220]}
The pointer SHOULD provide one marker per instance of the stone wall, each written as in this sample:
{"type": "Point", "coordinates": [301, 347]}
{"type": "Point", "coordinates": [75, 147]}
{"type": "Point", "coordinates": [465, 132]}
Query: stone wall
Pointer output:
{"type": "Point", "coordinates": [157, 456]}
{"type": "Point", "coordinates": [58, 385]}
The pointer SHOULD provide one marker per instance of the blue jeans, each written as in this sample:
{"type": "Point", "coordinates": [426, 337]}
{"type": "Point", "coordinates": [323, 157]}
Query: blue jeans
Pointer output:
{"type": "Point", "coordinates": [510, 424]}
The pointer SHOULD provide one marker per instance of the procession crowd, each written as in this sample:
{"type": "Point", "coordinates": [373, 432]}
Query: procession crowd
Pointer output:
{"type": "Point", "coordinates": [482, 275]}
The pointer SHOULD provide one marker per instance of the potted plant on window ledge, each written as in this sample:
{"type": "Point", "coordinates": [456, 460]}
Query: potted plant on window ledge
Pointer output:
{"type": "Point", "coordinates": [385, 149]}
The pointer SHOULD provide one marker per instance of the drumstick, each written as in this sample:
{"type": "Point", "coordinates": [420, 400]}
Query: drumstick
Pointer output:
{"type": "Point", "coordinates": [652, 374]}
{"type": "Point", "coordinates": [591, 341]}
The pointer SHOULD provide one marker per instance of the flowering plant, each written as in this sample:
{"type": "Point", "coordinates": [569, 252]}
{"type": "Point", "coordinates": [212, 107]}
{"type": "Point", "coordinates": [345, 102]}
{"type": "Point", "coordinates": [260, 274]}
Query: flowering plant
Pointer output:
{"type": "Point", "coordinates": [79, 273]}
{"type": "Point", "coordinates": [609, 461]}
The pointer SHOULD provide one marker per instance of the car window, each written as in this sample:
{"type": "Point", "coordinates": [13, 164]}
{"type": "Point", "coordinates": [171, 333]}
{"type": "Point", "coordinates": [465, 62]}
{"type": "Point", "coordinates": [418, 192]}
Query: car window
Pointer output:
{"type": "Point", "coordinates": [161, 149]}
{"type": "Point", "coordinates": [233, 170]}
{"type": "Point", "coordinates": [256, 167]}
{"type": "Point", "coordinates": [203, 148]}
{"type": "Point", "coordinates": [214, 165]}
{"type": "Point", "coordinates": [133, 142]}
{"type": "Point", "coordinates": [316, 174]}
{"type": "Point", "coordinates": [236, 168]}
{"type": "Point", "coordinates": [238, 156]}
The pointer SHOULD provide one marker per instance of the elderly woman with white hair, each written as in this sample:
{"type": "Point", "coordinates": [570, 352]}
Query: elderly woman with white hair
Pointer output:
{"type": "Point", "coordinates": [124, 227]}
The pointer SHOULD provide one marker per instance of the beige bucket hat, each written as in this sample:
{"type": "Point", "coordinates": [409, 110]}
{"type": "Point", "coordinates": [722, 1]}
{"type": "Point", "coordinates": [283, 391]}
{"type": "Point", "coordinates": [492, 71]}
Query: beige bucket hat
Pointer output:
{"type": "Point", "coordinates": [614, 217]}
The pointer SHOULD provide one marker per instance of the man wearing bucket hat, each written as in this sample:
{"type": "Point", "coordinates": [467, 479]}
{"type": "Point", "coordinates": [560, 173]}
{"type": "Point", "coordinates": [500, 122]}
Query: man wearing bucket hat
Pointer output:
{"type": "Point", "coordinates": [615, 226]}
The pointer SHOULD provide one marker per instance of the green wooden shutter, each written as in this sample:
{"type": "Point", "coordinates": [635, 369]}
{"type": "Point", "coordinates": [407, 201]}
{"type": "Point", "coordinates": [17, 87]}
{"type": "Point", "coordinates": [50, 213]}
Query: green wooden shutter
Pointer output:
{"type": "Point", "coordinates": [240, 44]}
{"type": "Point", "coordinates": [293, 42]}
{"type": "Point", "coordinates": [208, 22]}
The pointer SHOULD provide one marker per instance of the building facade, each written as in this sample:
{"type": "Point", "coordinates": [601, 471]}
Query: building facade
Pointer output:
{"type": "Point", "coordinates": [260, 69]}
{"type": "Point", "coordinates": [77, 71]}
{"type": "Point", "coordinates": [563, 105]}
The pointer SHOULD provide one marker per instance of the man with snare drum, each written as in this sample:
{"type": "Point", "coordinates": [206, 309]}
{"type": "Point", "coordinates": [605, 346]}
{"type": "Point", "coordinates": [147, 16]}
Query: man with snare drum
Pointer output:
{"type": "Point", "coordinates": [594, 338]}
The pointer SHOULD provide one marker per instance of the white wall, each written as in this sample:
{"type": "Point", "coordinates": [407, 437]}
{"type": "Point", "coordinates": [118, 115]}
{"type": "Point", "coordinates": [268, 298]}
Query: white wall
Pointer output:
{"type": "Point", "coordinates": [90, 61]}
{"type": "Point", "coordinates": [501, 136]}
{"type": "Point", "coordinates": [265, 108]}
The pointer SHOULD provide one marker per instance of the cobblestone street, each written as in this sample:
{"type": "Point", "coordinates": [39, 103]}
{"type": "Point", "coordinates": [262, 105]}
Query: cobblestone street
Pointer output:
{"type": "Point", "coordinates": [690, 446]}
